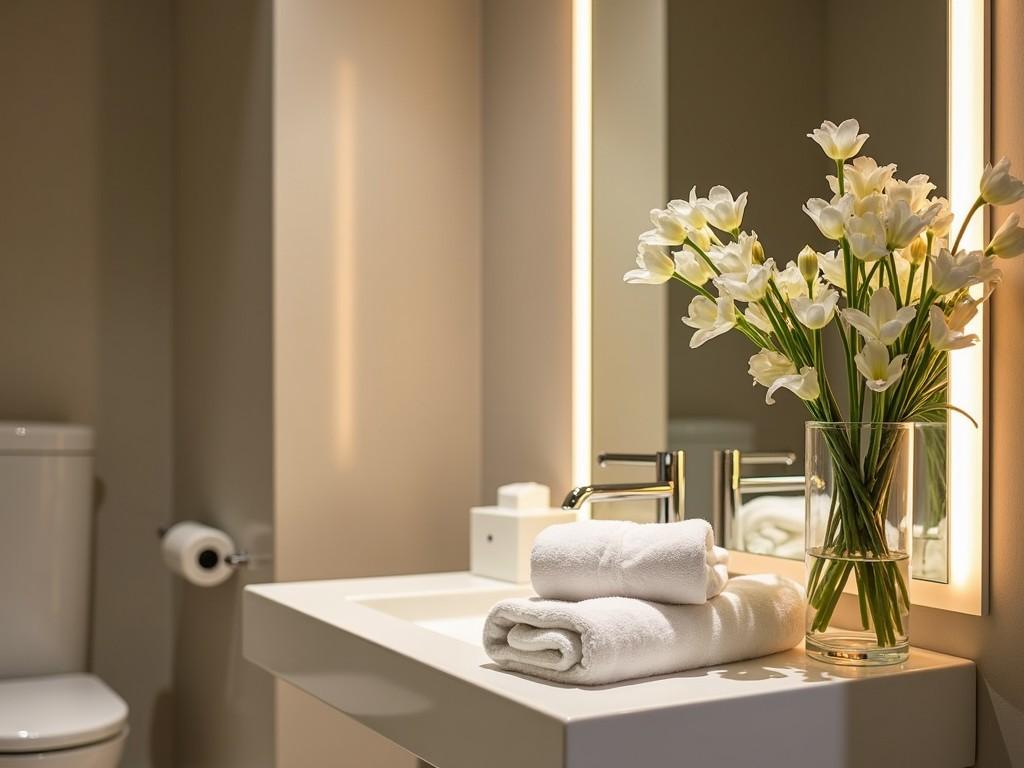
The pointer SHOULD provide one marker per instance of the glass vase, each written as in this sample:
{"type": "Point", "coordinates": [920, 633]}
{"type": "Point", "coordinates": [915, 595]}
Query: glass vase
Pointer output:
{"type": "Point", "coordinates": [860, 496]}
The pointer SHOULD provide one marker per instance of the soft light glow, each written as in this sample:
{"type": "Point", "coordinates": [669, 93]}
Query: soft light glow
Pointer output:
{"type": "Point", "coordinates": [345, 151]}
{"type": "Point", "coordinates": [967, 370]}
{"type": "Point", "coordinates": [581, 240]}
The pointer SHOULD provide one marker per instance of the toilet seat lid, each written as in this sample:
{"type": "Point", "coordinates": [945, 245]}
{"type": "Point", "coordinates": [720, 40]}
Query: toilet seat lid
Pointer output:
{"type": "Point", "coordinates": [58, 711]}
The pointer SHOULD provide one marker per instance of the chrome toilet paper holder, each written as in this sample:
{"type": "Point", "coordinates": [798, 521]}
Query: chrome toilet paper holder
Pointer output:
{"type": "Point", "coordinates": [240, 559]}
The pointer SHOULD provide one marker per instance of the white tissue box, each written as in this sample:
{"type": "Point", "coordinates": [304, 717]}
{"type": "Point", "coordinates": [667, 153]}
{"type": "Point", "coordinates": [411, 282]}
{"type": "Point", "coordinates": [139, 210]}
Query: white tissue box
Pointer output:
{"type": "Point", "coordinates": [500, 539]}
{"type": "Point", "coordinates": [523, 496]}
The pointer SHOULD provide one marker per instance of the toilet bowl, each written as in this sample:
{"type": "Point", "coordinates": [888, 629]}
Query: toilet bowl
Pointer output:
{"type": "Point", "coordinates": [61, 721]}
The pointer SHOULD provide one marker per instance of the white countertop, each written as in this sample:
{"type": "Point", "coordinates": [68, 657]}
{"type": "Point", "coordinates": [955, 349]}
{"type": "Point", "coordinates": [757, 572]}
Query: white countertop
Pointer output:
{"type": "Point", "coordinates": [401, 655]}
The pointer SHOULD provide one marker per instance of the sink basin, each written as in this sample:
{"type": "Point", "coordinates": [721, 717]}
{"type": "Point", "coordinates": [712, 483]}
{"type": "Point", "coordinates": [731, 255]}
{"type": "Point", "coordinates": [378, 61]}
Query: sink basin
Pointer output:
{"type": "Point", "coordinates": [403, 655]}
{"type": "Point", "coordinates": [459, 615]}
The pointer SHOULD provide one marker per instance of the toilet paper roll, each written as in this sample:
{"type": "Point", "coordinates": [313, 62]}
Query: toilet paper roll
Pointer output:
{"type": "Point", "coordinates": [198, 553]}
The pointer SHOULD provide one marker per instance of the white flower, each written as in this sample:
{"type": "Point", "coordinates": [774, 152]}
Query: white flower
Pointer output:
{"type": "Point", "coordinates": [943, 218]}
{"type": "Point", "coordinates": [709, 318]}
{"type": "Point", "coordinates": [791, 282]}
{"type": "Point", "coordinates": [951, 273]}
{"type": "Point", "coordinates": [875, 203]}
{"type": "Point", "coordinates": [734, 257]}
{"type": "Point", "coordinates": [689, 211]}
{"type": "Point", "coordinates": [884, 322]}
{"type": "Point", "coordinates": [757, 317]}
{"type": "Point", "coordinates": [833, 267]}
{"type": "Point", "coordinates": [701, 238]}
{"type": "Point", "coordinates": [721, 210]}
{"type": "Point", "coordinates": [840, 142]}
{"type": "Point", "coordinates": [767, 366]}
{"type": "Point", "coordinates": [654, 266]}
{"type": "Point", "coordinates": [864, 177]}
{"type": "Point", "coordinates": [804, 385]}
{"type": "Point", "coordinates": [669, 229]}
{"type": "Point", "coordinates": [866, 235]}
{"type": "Point", "coordinates": [947, 334]}
{"type": "Point", "coordinates": [691, 266]}
{"type": "Point", "coordinates": [816, 313]}
{"type": "Point", "coordinates": [998, 187]}
{"type": "Point", "coordinates": [747, 286]}
{"type": "Point", "coordinates": [830, 217]}
{"type": "Point", "coordinates": [914, 192]}
{"type": "Point", "coordinates": [874, 365]}
{"type": "Point", "coordinates": [902, 225]}
{"type": "Point", "coordinates": [1008, 240]}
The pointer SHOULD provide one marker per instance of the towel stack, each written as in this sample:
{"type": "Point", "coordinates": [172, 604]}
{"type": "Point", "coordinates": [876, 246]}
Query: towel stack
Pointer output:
{"type": "Point", "coordinates": [617, 600]}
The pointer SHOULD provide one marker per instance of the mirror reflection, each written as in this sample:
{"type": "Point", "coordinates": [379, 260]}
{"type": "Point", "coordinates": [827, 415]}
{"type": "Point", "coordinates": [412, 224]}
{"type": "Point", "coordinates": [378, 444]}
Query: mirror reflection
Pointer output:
{"type": "Point", "coordinates": [663, 126]}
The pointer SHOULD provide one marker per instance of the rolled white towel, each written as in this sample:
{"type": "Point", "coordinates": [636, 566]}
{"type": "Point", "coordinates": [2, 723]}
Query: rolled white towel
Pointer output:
{"type": "Point", "coordinates": [772, 525]}
{"type": "Point", "coordinates": [608, 639]}
{"type": "Point", "coordinates": [664, 562]}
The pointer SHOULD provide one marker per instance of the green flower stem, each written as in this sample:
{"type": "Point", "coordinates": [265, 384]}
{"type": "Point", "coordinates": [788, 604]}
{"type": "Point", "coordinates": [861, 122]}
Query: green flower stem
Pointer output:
{"type": "Point", "coordinates": [707, 259]}
{"type": "Point", "coordinates": [963, 227]}
{"type": "Point", "coordinates": [910, 284]}
{"type": "Point", "coordinates": [894, 280]}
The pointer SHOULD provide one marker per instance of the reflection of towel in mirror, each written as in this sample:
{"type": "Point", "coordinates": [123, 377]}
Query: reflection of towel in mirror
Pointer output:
{"type": "Point", "coordinates": [666, 562]}
{"type": "Point", "coordinates": [930, 556]}
{"type": "Point", "coordinates": [608, 639]}
{"type": "Point", "coordinates": [772, 525]}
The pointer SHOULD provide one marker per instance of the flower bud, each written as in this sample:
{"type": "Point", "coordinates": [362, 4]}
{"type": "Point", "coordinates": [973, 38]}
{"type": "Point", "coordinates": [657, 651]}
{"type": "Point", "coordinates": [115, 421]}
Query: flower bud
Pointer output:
{"type": "Point", "coordinates": [807, 261]}
{"type": "Point", "coordinates": [757, 252]}
{"type": "Point", "coordinates": [916, 251]}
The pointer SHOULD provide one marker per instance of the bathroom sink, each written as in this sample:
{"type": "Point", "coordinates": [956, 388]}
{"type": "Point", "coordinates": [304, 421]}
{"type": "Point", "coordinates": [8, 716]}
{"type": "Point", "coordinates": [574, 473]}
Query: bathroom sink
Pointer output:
{"type": "Point", "coordinates": [402, 655]}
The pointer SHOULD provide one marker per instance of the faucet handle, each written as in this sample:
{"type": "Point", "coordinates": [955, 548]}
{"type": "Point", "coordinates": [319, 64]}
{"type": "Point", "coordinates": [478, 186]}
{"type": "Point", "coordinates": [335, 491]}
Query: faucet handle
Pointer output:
{"type": "Point", "coordinates": [627, 459]}
{"type": "Point", "coordinates": [786, 458]}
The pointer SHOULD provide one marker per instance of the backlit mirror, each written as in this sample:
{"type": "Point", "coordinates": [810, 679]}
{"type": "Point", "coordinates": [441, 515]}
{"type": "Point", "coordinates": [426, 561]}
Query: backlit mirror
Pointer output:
{"type": "Point", "coordinates": [688, 93]}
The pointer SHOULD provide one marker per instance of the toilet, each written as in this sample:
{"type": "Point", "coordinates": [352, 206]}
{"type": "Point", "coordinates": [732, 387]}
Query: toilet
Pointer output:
{"type": "Point", "coordinates": [52, 713]}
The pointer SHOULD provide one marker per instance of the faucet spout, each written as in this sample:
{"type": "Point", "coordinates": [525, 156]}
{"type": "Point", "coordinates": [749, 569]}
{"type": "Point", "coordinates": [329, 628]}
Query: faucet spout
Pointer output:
{"type": "Point", "coordinates": [616, 492]}
{"type": "Point", "coordinates": [666, 490]}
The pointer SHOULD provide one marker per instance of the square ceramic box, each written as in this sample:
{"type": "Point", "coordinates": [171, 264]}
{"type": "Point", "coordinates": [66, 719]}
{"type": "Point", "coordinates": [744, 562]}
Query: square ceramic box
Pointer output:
{"type": "Point", "coordinates": [500, 539]}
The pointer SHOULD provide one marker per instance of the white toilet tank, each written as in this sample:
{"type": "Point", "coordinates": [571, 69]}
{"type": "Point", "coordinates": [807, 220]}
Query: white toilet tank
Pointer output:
{"type": "Point", "coordinates": [46, 503]}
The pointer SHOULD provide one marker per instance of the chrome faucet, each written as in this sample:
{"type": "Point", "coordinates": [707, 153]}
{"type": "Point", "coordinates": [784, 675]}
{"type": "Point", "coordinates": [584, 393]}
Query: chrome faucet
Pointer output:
{"type": "Point", "coordinates": [668, 488]}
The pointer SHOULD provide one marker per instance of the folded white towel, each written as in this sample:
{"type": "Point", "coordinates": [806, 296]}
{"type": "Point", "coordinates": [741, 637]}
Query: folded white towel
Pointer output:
{"type": "Point", "coordinates": [608, 639]}
{"type": "Point", "coordinates": [664, 562]}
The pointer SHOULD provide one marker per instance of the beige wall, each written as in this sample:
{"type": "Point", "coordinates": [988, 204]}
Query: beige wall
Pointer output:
{"type": "Point", "coordinates": [133, 632]}
{"type": "Point", "coordinates": [49, 227]}
{"type": "Point", "coordinates": [377, 401]}
{"type": "Point", "coordinates": [527, 276]}
{"type": "Point", "coordinates": [630, 377]}
{"type": "Point", "coordinates": [85, 323]}
{"type": "Point", "coordinates": [223, 437]}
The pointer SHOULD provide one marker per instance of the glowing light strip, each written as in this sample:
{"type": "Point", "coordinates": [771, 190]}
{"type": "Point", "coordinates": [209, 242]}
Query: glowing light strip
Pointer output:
{"type": "Point", "coordinates": [965, 591]}
{"type": "Point", "coordinates": [582, 138]}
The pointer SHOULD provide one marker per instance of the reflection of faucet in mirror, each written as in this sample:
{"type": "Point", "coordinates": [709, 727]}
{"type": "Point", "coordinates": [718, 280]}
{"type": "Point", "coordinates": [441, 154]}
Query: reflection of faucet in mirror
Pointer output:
{"type": "Point", "coordinates": [668, 488]}
{"type": "Point", "coordinates": [730, 488]}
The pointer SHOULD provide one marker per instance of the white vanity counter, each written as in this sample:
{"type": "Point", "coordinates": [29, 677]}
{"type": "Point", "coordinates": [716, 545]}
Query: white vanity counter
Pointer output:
{"type": "Point", "coordinates": [402, 655]}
